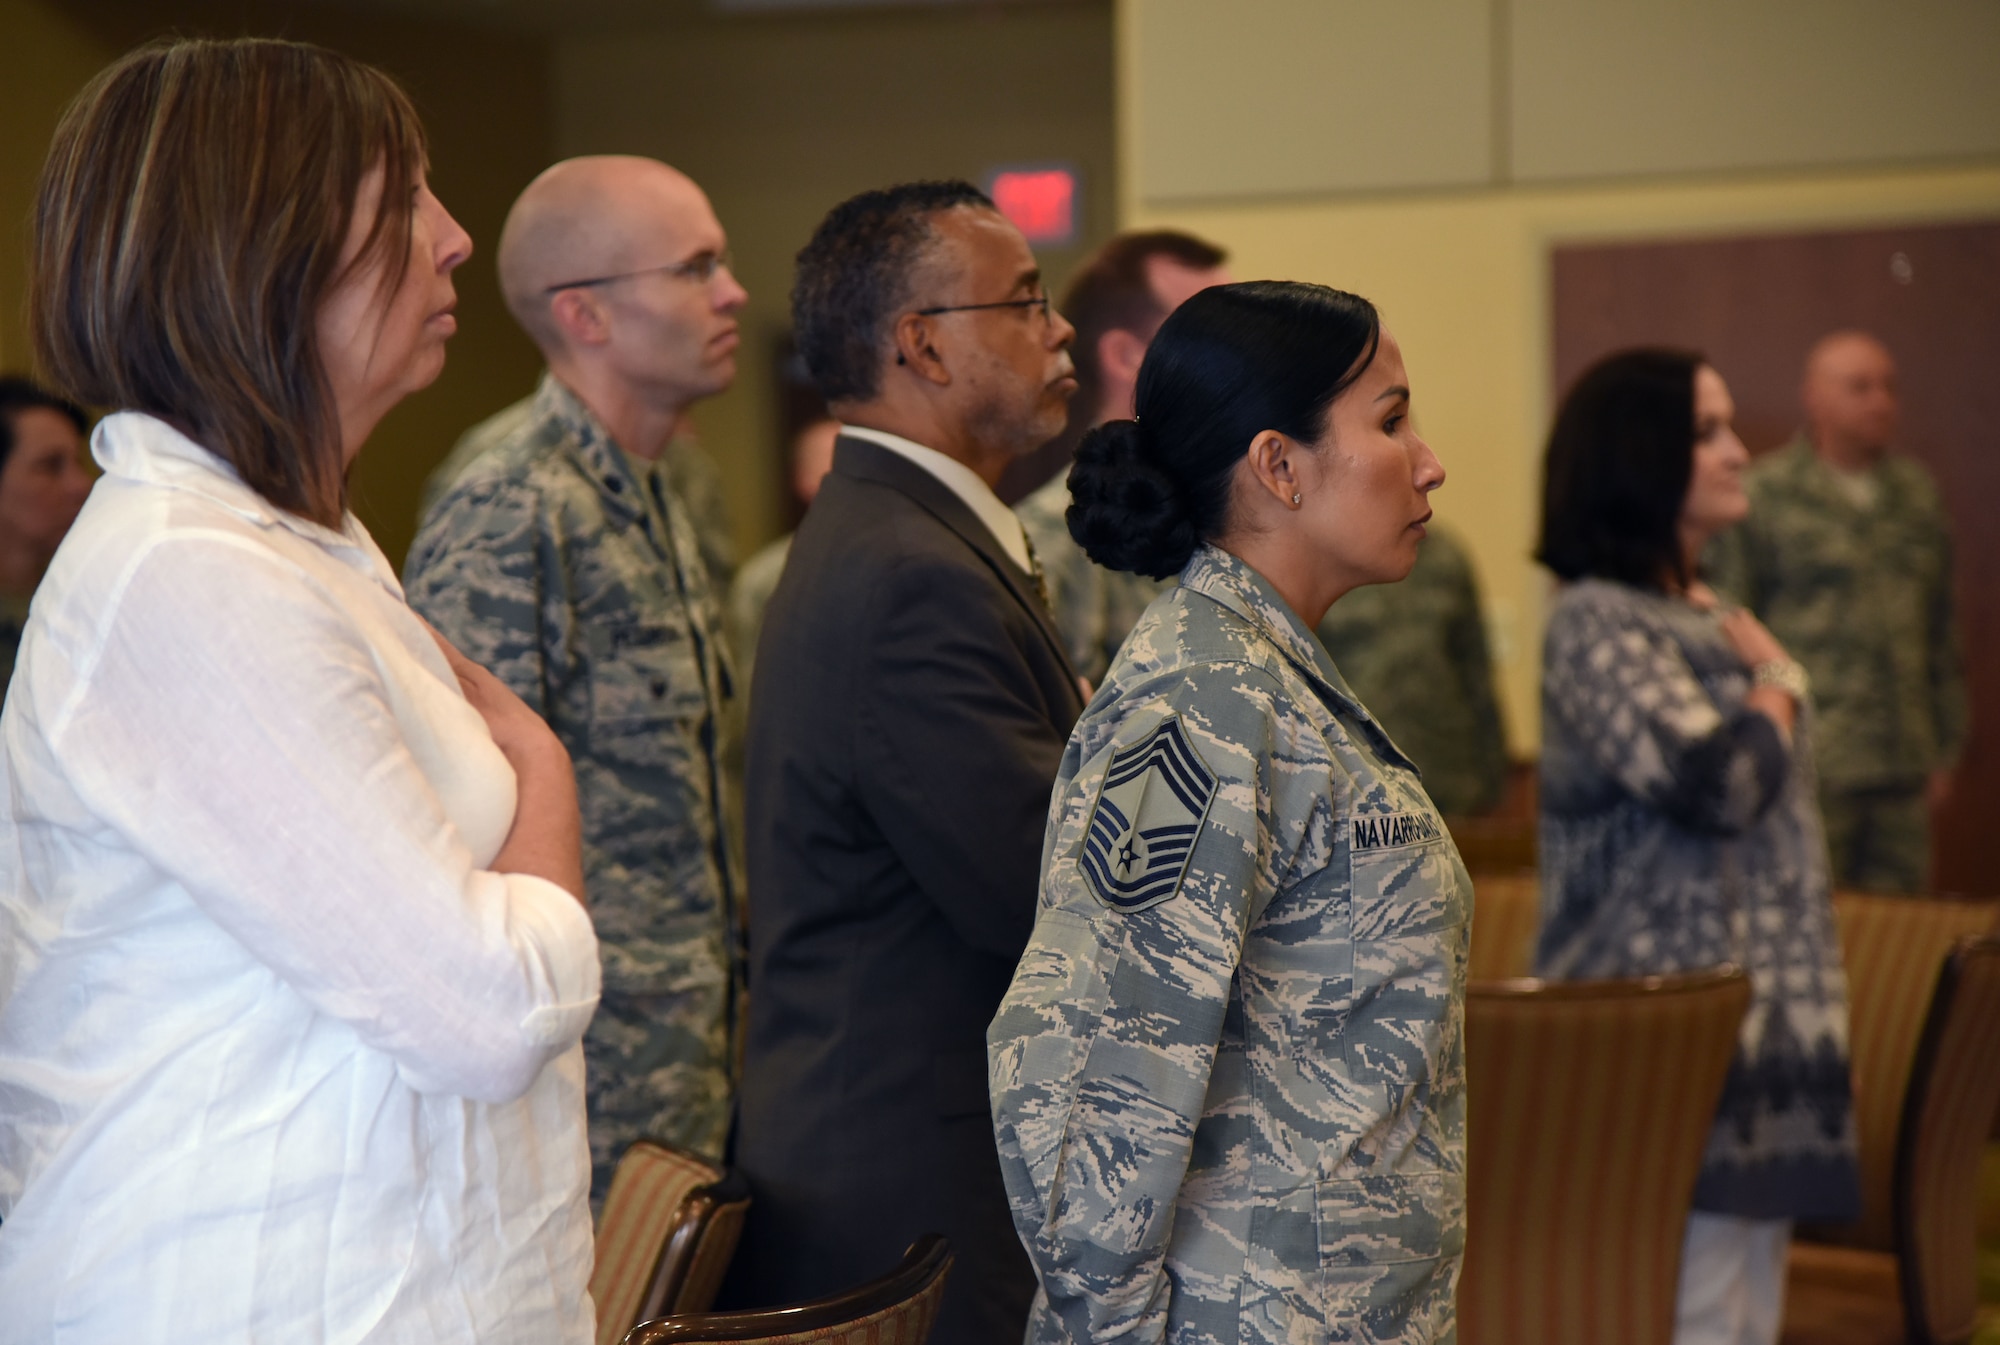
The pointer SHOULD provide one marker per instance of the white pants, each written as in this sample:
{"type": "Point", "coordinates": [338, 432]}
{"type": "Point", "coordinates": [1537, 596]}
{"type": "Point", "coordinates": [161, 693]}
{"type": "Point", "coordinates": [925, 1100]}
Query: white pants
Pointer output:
{"type": "Point", "coordinates": [1732, 1281]}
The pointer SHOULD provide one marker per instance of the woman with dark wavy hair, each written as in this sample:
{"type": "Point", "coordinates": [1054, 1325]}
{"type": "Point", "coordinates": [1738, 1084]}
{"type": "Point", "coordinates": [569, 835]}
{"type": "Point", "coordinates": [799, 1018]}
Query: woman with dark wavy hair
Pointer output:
{"type": "Point", "coordinates": [1679, 828]}
{"type": "Point", "coordinates": [293, 957]}
{"type": "Point", "coordinates": [1228, 1081]}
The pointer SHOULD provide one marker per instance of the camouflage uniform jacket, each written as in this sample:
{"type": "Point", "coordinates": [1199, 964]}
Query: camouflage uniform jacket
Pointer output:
{"type": "Point", "coordinates": [544, 563]}
{"type": "Point", "coordinates": [1228, 1081]}
{"type": "Point", "coordinates": [750, 593]}
{"type": "Point", "coordinates": [692, 476]}
{"type": "Point", "coordinates": [1095, 608]}
{"type": "Point", "coordinates": [1415, 653]}
{"type": "Point", "coordinates": [1862, 596]}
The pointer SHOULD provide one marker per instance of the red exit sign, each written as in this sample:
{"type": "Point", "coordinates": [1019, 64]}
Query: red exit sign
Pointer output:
{"type": "Point", "coordinates": [1041, 201]}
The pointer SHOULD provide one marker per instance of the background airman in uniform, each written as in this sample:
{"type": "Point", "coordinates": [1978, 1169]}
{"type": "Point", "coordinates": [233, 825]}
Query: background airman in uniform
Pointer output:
{"type": "Point", "coordinates": [562, 559]}
{"type": "Point", "coordinates": [1416, 655]}
{"type": "Point", "coordinates": [1846, 557]}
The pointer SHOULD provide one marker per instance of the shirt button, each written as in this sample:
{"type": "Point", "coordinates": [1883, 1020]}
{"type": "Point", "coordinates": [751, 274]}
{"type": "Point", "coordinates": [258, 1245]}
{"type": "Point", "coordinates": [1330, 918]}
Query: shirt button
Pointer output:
{"type": "Point", "coordinates": [659, 689]}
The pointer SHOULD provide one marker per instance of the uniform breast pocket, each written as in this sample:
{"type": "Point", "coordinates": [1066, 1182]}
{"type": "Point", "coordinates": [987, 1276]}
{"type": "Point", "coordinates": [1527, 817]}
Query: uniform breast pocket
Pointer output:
{"type": "Point", "coordinates": [1411, 915]}
{"type": "Point", "coordinates": [642, 678]}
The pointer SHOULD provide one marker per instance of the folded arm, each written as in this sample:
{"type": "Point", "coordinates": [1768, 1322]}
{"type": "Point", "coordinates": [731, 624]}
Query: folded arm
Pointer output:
{"type": "Point", "coordinates": [236, 730]}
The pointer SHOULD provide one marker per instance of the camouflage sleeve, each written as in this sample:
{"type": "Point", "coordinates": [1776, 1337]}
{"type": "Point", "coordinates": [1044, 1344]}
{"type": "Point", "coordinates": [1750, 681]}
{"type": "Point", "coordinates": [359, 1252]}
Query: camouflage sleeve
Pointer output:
{"type": "Point", "coordinates": [1725, 564]}
{"type": "Point", "coordinates": [479, 571]}
{"type": "Point", "coordinates": [1465, 641]}
{"type": "Point", "coordinates": [956, 749]}
{"type": "Point", "coordinates": [1947, 663]}
{"type": "Point", "coordinates": [1102, 1052]}
{"type": "Point", "coordinates": [1627, 693]}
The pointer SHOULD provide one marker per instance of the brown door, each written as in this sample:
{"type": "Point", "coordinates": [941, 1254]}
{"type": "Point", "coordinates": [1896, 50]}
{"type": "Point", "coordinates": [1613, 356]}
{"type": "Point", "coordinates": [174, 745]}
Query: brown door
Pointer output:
{"type": "Point", "coordinates": [1754, 305]}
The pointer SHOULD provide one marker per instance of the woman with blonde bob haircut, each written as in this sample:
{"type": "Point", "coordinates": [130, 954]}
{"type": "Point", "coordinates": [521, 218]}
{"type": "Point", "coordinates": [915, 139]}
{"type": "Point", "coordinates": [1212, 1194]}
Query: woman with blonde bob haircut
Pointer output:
{"type": "Point", "coordinates": [293, 956]}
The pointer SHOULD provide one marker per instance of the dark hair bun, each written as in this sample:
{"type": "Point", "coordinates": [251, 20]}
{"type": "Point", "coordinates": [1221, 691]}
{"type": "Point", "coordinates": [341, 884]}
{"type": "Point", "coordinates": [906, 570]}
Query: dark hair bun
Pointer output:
{"type": "Point", "coordinates": [1125, 512]}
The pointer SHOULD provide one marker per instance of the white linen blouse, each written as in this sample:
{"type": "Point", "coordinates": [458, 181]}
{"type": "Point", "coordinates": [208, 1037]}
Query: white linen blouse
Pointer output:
{"type": "Point", "coordinates": [280, 1058]}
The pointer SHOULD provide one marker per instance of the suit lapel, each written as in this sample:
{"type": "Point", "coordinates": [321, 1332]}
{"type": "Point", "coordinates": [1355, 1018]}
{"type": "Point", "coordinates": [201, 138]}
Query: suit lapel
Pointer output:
{"type": "Point", "coordinates": [866, 461]}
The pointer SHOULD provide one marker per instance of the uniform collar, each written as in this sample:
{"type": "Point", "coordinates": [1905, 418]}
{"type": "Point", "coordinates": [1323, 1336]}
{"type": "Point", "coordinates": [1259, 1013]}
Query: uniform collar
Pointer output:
{"type": "Point", "coordinates": [591, 447]}
{"type": "Point", "coordinates": [1227, 580]}
{"type": "Point", "coordinates": [1808, 467]}
{"type": "Point", "coordinates": [134, 446]}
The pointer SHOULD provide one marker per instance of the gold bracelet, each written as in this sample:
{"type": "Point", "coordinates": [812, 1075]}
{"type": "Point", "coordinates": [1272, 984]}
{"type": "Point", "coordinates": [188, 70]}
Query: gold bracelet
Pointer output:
{"type": "Point", "coordinates": [1787, 675]}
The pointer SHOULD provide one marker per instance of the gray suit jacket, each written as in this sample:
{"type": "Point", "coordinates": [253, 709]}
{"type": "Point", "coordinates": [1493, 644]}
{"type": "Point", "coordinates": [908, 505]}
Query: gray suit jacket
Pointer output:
{"type": "Point", "coordinates": [913, 701]}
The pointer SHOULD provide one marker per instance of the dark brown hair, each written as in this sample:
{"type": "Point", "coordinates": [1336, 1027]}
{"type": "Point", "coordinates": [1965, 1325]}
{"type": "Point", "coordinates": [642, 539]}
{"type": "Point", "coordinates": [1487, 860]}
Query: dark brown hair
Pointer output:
{"type": "Point", "coordinates": [1230, 363]}
{"type": "Point", "coordinates": [1616, 473]}
{"type": "Point", "coordinates": [188, 227]}
{"type": "Point", "coordinates": [1112, 292]}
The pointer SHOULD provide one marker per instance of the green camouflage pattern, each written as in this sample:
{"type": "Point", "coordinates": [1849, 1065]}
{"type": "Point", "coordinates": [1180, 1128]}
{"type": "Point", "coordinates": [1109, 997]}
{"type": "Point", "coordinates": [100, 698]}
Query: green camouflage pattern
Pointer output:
{"type": "Point", "coordinates": [1879, 840]}
{"type": "Point", "coordinates": [1094, 608]}
{"type": "Point", "coordinates": [1416, 655]}
{"type": "Point", "coordinates": [1862, 596]}
{"type": "Point", "coordinates": [692, 478]}
{"type": "Point", "coordinates": [749, 595]}
{"type": "Point", "coordinates": [1236, 1112]}
{"type": "Point", "coordinates": [547, 562]}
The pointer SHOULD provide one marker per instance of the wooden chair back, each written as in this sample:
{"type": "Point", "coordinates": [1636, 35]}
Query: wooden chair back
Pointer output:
{"type": "Point", "coordinates": [1954, 1093]}
{"type": "Point", "coordinates": [898, 1309]}
{"type": "Point", "coordinates": [1496, 844]}
{"type": "Point", "coordinates": [1893, 948]}
{"type": "Point", "coordinates": [1589, 1106]}
{"type": "Point", "coordinates": [669, 1227]}
{"type": "Point", "coordinates": [1506, 914]}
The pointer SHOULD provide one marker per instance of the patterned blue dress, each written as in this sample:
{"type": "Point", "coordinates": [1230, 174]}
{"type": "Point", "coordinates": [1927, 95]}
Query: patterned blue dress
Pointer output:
{"type": "Point", "coordinates": [1679, 831]}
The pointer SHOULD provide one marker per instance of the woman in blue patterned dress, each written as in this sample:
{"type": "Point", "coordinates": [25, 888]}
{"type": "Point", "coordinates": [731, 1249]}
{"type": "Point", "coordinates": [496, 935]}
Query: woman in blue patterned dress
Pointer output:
{"type": "Point", "coordinates": [1678, 827]}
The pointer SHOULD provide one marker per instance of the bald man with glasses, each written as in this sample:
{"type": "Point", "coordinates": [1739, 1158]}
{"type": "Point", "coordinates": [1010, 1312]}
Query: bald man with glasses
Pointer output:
{"type": "Point", "coordinates": [559, 554]}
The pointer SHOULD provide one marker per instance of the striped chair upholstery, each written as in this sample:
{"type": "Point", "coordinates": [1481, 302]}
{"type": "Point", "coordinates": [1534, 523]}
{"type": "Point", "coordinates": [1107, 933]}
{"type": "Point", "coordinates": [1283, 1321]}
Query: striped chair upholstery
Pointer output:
{"type": "Point", "coordinates": [669, 1227]}
{"type": "Point", "coordinates": [1954, 1093]}
{"type": "Point", "coordinates": [1893, 948]}
{"type": "Point", "coordinates": [1506, 911]}
{"type": "Point", "coordinates": [1589, 1107]}
{"type": "Point", "coordinates": [1927, 1290]}
{"type": "Point", "coordinates": [898, 1309]}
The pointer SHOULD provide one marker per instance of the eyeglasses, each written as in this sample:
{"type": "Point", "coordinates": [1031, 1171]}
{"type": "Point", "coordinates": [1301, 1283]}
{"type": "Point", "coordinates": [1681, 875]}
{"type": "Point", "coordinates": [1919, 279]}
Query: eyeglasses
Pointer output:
{"type": "Point", "coordinates": [1040, 301]}
{"type": "Point", "coordinates": [700, 268]}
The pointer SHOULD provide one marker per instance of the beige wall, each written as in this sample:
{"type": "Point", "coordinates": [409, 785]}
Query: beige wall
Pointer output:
{"type": "Point", "coordinates": [1300, 97]}
{"type": "Point", "coordinates": [484, 98]}
{"type": "Point", "coordinates": [780, 118]}
{"type": "Point", "coordinates": [1462, 275]}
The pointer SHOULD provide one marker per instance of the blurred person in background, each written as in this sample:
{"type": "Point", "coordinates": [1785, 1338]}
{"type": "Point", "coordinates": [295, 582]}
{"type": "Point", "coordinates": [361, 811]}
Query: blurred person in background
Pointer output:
{"type": "Point", "coordinates": [812, 459]}
{"type": "Point", "coordinates": [1117, 300]}
{"type": "Point", "coordinates": [912, 698]}
{"type": "Point", "coordinates": [561, 559]}
{"type": "Point", "coordinates": [42, 485]}
{"type": "Point", "coordinates": [1228, 1079]}
{"type": "Point", "coordinates": [1679, 827]}
{"type": "Point", "coordinates": [1416, 655]}
{"type": "Point", "coordinates": [1847, 557]}
{"type": "Point", "coordinates": [296, 961]}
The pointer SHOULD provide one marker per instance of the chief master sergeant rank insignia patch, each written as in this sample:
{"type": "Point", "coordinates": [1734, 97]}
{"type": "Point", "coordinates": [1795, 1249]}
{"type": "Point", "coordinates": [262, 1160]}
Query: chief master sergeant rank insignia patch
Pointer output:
{"type": "Point", "coordinates": [1150, 807]}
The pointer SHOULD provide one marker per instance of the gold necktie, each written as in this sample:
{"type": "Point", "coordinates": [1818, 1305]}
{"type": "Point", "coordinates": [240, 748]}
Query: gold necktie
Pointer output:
{"type": "Point", "coordinates": [1035, 573]}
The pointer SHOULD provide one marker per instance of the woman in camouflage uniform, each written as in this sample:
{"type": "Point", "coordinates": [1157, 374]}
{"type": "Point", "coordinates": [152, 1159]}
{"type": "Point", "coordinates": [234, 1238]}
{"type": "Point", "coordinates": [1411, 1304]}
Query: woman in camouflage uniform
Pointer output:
{"type": "Point", "coordinates": [1679, 828]}
{"type": "Point", "coordinates": [1227, 1080]}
